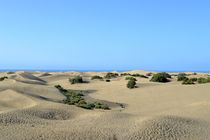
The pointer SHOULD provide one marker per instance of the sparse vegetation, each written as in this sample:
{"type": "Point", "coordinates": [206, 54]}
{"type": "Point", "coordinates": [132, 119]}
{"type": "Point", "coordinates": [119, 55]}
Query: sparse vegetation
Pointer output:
{"type": "Point", "coordinates": [121, 105]}
{"type": "Point", "coordinates": [96, 77]}
{"type": "Point", "coordinates": [182, 77]}
{"type": "Point", "coordinates": [139, 75]}
{"type": "Point", "coordinates": [76, 98]}
{"type": "Point", "coordinates": [125, 74]}
{"type": "Point", "coordinates": [3, 78]}
{"type": "Point", "coordinates": [160, 77]}
{"type": "Point", "coordinates": [188, 82]}
{"type": "Point", "coordinates": [77, 79]}
{"type": "Point", "coordinates": [203, 80]}
{"type": "Point", "coordinates": [110, 75]}
{"type": "Point", "coordinates": [130, 78]}
{"type": "Point", "coordinates": [131, 84]}
{"type": "Point", "coordinates": [149, 74]}
{"type": "Point", "coordinates": [165, 74]}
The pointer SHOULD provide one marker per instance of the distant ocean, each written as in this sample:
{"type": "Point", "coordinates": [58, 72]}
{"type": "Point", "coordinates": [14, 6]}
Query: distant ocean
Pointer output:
{"type": "Point", "coordinates": [169, 71]}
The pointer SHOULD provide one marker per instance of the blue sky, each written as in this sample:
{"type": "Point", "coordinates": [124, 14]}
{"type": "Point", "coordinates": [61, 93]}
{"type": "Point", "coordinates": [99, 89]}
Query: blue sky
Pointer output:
{"type": "Point", "coordinates": [105, 34]}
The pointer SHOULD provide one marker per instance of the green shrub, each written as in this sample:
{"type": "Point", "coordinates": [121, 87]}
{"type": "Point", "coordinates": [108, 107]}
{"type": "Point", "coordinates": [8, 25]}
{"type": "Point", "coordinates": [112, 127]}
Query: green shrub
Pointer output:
{"type": "Point", "coordinates": [188, 82]}
{"type": "Point", "coordinates": [107, 80]}
{"type": "Point", "coordinates": [81, 102]}
{"type": "Point", "coordinates": [2, 78]}
{"type": "Point", "coordinates": [130, 78]}
{"type": "Point", "coordinates": [110, 75]}
{"type": "Point", "coordinates": [96, 77]}
{"type": "Point", "coordinates": [182, 77]}
{"type": "Point", "coordinates": [105, 107]}
{"type": "Point", "coordinates": [203, 80]}
{"type": "Point", "coordinates": [165, 74]}
{"type": "Point", "coordinates": [86, 106]}
{"type": "Point", "coordinates": [97, 106]}
{"type": "Point", "coordinates": [77, 79]}
{"type": "Point", "coordinates": [149, 74]}
{"type": "Point", "coordinates": [125, 74]}
{"type": "Point", "coordinates": [139, 75]}
{"type": "Point", "coordinates": [131, 84]}
{"type": "Point", "coordinates": [194, 79]}
{"type": "Point", "coordinates": [159, 77]}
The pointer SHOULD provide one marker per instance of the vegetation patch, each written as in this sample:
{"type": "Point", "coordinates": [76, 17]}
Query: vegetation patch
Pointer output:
{"type": "Point", "coordinates": [131, 84]}
{"type": "Point", "coordinates": [121, 105]}
{"type": "Point", "coordinates": [130, 78]}
{"type": "Point", "coordinates": [107, 80]}
{"type": "Point", "coordinates": [125, 74]}
{"type": "Point", "coordinates": [3, 78]}
{"type": "Point", "coordinates": [76, 98]}
{"type": "Point", "coordinates": [110, 75]}
{"type": "Point", "coordinates": [77, 79]}
{"type": "Point", "coordinates": [182, 77]}
{"type": "Point", "coordinates": [160, 77]}
{"type": "Point", "coordinates": [149, 74]}
{"type": "Point", "coordinates": [188, 82]}
{"type": "Point", "coordinates": [96, 77]}
{"type": "Point", "coordinates": [203, 80]}
{"type": "Point", "coordinates": [139, 75]}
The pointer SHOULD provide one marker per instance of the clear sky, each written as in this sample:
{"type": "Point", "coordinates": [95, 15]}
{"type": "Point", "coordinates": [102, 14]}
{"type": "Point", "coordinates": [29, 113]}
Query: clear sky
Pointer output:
{"type": "Point", "coordinates": [105, 34]}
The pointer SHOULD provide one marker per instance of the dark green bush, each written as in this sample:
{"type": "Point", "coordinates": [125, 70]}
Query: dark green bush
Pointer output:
{"type": "Point", "coordinates": [203, 80]}
{"type": "Point", "coordinates": [86, 106]}
{"type": "Point", "coordinates": [105, 107]}
{"type": "Point", "coordinates": [125, 74]}
{"type": "Point", "coordinates": [110, 75]}
{"type": "Point", "coordinates": [131, 84]}
{"type": "Point", "coordinates": [182, 77]}
{"type": "Point", "coordinates": [165, 74]}
{"type": "Point", "coordinates": [2, 78]}
{"type": "Point", "coordinates": [149, 74]}
{"type": "Point", "coordinates": [188, 82]}
{"type": "Point", "coordinates": [139, 75]}
{"type": "Point", "coordinates": [159, 77]}
{"type": "Point", "coordinates": [107, 80]}
{"type": "Point", "coordinates": [130, 78]}
{"type": "Point", "coordinates": [96, 77]}
{"type": "Point", "coordinates": [77, 79]}
{"type": "Point", "coordinates": [194, 79]}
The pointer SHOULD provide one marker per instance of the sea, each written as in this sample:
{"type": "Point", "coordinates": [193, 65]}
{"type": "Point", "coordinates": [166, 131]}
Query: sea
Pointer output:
{"type": "Point", "coordinates": [51, 70]}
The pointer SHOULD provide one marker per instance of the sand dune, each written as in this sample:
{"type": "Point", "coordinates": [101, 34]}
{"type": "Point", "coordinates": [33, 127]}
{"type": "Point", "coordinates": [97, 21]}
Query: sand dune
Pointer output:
{"type": "Point", "coordinates": [31, 108]}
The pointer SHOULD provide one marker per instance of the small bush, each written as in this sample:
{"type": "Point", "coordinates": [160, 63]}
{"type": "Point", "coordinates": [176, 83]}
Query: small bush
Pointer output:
{"type": "Point", "coordinates": [188, 82]}
{"type": "Point", "coordinates": [105, 107]}
{"type": "Point", "coordinates": [2, 78]}
{"type": "Point", "coordinates": [125, 74]}
{"type": "Point", "coordinates": [159, 77]}
{"type": "Point", "coordinates": [182, 77]}
{"type": "Point", "coordinates": [139, 75]}
{"type": "Point", "coordinates": [194, 79]}
{"type": "Point", "coordinates": [130, 78]}
{"type": "Point", "coordinates": [107, 80]}
{"type": "Point", "coordinates": [110, 75]}
{"type": "Point", "coordinates": [77, 79]}
{"type": "Point", "coordinates": [165, 74]}
{"type": "Point", "coordinates": [203, 80]}
{"type": "Point", "coordinates": [96, 77]}
{"type": "Point", "coordinates": [149, 74]}
{"type": "Point", "coordinates": [131, 84]}
{"type": "Point", "coordinates": [86, 106]}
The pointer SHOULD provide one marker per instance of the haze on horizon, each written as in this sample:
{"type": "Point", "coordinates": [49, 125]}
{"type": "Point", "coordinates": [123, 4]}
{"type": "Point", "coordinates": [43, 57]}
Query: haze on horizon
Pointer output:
{"type": "Point", "coordinates": [100, 35]}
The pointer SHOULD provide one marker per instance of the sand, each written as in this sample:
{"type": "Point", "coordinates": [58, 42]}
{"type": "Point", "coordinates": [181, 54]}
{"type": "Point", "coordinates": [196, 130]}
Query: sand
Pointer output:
{"type": "Point", "coordinates": [31, 108]}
